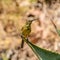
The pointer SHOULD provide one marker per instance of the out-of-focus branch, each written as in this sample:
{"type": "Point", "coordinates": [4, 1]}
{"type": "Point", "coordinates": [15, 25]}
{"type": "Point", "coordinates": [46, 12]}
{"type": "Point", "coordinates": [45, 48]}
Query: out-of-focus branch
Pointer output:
{"type": "Point", "coordinates": [55, 27]}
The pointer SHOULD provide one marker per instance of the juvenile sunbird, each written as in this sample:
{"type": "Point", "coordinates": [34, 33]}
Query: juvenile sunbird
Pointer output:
{"type": "Point", "coordinates": [26, 29]}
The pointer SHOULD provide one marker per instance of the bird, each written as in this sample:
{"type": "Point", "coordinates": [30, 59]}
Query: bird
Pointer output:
{"type": "Point", "coordinates": [26, 29]}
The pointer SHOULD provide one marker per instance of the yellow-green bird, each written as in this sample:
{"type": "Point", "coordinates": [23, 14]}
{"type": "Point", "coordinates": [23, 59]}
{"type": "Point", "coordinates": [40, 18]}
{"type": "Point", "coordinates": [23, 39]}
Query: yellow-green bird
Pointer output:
{"type": "Point", "coordinates": [26, 29]}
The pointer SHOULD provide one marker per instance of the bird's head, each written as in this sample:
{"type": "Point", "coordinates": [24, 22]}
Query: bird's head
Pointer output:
{"type": "Point", "coordinates": [31, 18]}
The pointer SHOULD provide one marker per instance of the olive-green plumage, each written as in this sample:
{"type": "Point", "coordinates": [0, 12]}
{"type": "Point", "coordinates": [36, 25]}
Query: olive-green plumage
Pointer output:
{"type": "Point", "coordinates": [26, 29]}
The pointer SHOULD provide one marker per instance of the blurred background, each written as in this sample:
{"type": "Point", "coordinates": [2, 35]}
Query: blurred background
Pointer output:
{"type": "Point", "coordinates": [14, 14]}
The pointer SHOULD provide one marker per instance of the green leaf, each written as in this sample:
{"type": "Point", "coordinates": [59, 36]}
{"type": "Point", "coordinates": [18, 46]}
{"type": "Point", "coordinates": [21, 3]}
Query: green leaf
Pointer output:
{"type": "Point", "coordinates": [4, 57]}
{"type": "Point", "coordinates": [32, 1]}
{"type": "Point", "coordinates": [42, 54]}
{"type": "Point", "coordinates": [8, 2]}
{"type": "Point", "coordinates": [58, 31]}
